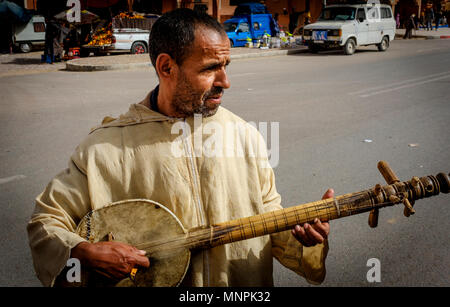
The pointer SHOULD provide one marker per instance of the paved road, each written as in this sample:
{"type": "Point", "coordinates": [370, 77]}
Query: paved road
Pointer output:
{"type": "Point", "coordinates": [326, 106]}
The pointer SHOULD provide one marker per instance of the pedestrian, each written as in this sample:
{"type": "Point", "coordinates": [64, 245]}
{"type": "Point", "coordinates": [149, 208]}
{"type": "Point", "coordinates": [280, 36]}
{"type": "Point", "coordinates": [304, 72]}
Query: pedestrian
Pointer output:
{"type": "Point", "coordinates": [438, 18]}
{"type": "Point", "coordinates": [60, 35]}
{"type": "Point", "coordinates": [416, 22]}
{"type": "Point", "coordinates": [137, 156]}
{"type": "Point", "coordinates": [429, 17]}
{"type": "Point", "coordinates": [50, 34]}
{"type": "Point", "coordinates": [409, 25]}
{"type": "Point", "coordinates": [422, 20]}
{"type": "Point", "coordinates": [397, 20]}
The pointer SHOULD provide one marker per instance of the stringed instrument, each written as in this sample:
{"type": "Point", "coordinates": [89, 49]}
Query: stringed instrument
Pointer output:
{"type": "Point", "coordinates": [150, 226]}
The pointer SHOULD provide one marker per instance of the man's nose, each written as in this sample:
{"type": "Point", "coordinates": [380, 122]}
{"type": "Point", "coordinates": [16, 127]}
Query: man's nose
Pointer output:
{"type": "Point", "coordinates": [222, 79]}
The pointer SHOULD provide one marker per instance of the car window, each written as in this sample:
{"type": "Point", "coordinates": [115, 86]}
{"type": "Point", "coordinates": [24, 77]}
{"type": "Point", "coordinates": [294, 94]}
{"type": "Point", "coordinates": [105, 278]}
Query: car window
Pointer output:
{"type": "Point", "coordinates": [361, 14]}
{"type": "Point", "coordinates": [338, 13]}
{"type": "Point", "coordinates": [386, 13]}
{"type": "Point", "coordinates": [244, 27]}
{"type": "Point", "coordinates": [372, 13]}
{"type": "Point", "coordinates": [230, 26]}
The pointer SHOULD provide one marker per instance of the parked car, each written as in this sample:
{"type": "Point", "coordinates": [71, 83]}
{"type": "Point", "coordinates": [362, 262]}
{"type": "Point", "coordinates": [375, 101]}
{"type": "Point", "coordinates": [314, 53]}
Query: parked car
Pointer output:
{"type": "Point", "coordinates": [251, 21]}
{"type": "Point", "coordinates": [125, 35]}
{"type": "Point", "coordinates": [26, 36]}
{"type": "Point", "coordinates": [350, 26]}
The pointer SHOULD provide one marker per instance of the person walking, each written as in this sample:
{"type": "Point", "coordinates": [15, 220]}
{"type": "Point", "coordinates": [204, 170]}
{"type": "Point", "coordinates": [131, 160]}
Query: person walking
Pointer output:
{"type": "Point", "coordinates": [438, 18]}
{"type": "Point", "coordinates": [409, 25]}
{"type": "Point", "coordinates": [51, 32]}
{"type": "Point", "coordinates": [429, 17]}
{"type": "Point", "coordinates": [397, 21]}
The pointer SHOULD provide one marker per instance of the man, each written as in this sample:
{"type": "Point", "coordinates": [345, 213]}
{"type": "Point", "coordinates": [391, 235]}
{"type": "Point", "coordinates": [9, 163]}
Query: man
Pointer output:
{"type": "Point", "coordinates": [429, 17]}
{"type": "Point", "coordinates": [51, 32]}
{"type": "Point", "coordinates": [133, 157]}
{"type": "Point", "coordinates": [410, 25]}
{"type": "Point", "coordinates": [438, 19]}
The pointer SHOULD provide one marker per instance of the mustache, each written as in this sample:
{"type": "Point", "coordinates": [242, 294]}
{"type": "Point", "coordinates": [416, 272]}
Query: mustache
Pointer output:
{"type": "Point", "coordinates": [214, 91]}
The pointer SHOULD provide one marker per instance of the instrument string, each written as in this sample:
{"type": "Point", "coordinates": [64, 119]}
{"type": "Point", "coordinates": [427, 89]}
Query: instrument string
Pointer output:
{"type": "Point", "coordinates": [258, 225]}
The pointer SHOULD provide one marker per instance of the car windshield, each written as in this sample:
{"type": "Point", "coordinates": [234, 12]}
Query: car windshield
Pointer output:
{"type": "Point", "coordinates": [230, 26]}
{"type": "Point", "coordinates": [338, 13]}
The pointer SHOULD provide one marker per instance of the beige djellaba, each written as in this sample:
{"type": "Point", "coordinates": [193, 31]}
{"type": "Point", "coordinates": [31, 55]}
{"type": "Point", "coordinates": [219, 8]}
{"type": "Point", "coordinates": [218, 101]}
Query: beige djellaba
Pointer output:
{"type": "Point", "coordinates": [145, 155]}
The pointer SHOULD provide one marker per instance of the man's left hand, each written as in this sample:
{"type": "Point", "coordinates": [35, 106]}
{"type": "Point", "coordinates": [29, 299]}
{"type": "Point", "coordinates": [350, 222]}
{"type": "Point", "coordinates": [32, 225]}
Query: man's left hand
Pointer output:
{"type": "Point", "coordinates": [312, 234]}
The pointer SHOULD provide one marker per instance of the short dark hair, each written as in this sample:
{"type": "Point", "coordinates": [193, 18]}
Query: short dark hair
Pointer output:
{"type": "Point", "coordinates": [174, 33]}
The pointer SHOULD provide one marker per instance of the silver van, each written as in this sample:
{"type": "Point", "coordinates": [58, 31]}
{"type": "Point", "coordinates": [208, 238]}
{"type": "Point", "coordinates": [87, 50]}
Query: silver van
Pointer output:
{"type": "Point", "coordinates": [349, 26]}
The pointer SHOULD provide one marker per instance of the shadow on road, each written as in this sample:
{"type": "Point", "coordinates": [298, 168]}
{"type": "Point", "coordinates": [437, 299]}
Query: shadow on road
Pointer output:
{"type": "Point", "coordinates": [25, 61]}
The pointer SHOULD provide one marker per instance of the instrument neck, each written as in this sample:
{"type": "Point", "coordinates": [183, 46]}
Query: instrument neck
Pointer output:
{"type": "Point", "coordinates": [325, 210]}
{"type": "Point", "coordinates": [284, 219]}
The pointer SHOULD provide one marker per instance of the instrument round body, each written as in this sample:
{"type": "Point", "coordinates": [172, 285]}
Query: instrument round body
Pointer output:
{"type": "Point", "coordinates": [136, 222]}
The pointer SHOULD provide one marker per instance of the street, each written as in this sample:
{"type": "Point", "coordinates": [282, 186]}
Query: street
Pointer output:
{"type": "Point", "coordinates": [338, 116]}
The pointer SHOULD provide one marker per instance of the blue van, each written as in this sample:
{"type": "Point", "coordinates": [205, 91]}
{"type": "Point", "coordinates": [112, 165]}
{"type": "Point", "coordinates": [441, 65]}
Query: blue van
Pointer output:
{"type": "Point", "coordinates": [250, 20]}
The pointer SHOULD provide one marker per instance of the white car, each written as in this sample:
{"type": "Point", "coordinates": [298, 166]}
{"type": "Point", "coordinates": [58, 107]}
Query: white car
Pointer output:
{"type": "Point", "coordinates": [350, 26]}
{"type": "Point", "coordinates": [28, 35]}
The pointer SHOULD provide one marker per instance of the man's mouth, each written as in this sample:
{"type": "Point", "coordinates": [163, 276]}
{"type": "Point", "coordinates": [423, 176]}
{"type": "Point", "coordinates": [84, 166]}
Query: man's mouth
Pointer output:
{"type": "Point", "coordinates": [214, 95]}
{"type": "Point", "coordinates": [214, 99]}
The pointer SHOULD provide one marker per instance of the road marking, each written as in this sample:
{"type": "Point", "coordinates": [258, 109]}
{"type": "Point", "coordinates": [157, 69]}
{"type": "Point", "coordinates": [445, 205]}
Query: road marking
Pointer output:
{"type": "Point", "coordinates": [430, 49]}
{"type": "Point", "coordinates": [404, 86]}
{"type": "Point", "coordinates": [383, 87]}
{"type": "Point", "coordinates": [12, 178]}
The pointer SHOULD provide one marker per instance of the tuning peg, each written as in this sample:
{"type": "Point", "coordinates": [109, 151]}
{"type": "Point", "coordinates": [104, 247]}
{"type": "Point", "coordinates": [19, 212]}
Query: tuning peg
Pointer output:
{"type": "Point", "coordinates": [377, 189]}
{"type": "Point", "coordinates": [394, 199]}
{"type": "Point", "coordinates": [408, 208]}
{"type": "Point", "coordinates": [373, 218]}
{"type": "Point", "coordinates": [415, 181]}
{"type": "Point", "coordinates": [373, 215]}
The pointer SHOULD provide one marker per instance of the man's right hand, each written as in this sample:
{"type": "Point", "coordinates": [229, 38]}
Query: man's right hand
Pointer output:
{"type": "Point", "coordinates": [113, 259]}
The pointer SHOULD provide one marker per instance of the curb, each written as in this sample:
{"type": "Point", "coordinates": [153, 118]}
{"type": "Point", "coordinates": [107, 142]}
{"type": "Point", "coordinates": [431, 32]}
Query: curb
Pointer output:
{"type": "Point", "coordinates": [72, 65]}
{"type": "Point", "coordinates": [425, 36]}
{"type": "Point", "coordinates": [269, 53]}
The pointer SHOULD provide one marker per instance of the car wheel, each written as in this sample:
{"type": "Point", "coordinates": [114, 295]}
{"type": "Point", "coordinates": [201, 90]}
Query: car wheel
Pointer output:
{"type": "Point", "coordinates": [25, 47]}
{"type": "Point", "coordinates": [138, 48]}
{"type": "Point", "coordinates": [350, 46]}
{"type": "Point", "coordinates": [231, 43]}
{"type": "Point", "coordinates": [384, 45]}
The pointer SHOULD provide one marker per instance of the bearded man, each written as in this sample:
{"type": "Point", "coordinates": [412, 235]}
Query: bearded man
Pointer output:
{"type": "Point", "coordinates": [132, 157]}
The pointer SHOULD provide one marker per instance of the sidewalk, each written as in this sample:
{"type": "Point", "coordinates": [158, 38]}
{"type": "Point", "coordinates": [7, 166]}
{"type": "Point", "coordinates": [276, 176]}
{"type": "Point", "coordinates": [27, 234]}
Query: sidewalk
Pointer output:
{"type": "Point", "coordinates": [128, 61]}
{"type": "Point", "coordinates": [441, 33]}
{"type": "Point", "coordinates": [26, 63]}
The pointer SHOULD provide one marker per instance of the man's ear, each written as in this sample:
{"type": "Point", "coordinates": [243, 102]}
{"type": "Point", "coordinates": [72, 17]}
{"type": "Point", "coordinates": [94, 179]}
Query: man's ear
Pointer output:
{"type": "Point", "coordinates": [165, 66]}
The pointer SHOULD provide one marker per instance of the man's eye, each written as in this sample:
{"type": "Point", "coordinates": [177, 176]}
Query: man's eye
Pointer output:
{"type": "Point", "coordinates": [212, 68]}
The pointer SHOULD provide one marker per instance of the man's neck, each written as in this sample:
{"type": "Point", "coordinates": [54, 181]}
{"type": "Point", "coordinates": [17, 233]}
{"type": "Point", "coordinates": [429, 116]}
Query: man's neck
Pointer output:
{"type": "Point", "coordinates": [156, 102]}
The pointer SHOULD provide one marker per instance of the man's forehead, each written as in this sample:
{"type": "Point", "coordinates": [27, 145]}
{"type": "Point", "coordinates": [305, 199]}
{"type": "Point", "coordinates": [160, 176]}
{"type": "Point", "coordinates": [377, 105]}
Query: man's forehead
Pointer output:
{"type": "Point", "coordinates": [210, 42]}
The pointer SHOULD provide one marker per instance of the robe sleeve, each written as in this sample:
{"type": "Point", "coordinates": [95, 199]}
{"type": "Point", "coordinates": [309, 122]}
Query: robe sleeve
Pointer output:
{"type": "Point", "coordinates": [308, 262]}
{"type": "Point", "coordinates": [51, 229]}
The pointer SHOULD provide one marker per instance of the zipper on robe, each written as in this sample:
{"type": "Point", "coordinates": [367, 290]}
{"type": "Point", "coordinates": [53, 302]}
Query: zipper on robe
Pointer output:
{"type": "Point", "coordinates": [197, 196]}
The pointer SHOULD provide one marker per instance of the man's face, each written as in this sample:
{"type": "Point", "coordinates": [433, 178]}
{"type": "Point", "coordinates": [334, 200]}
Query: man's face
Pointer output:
{"type": "Point", "coordinates": [202, 76]}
